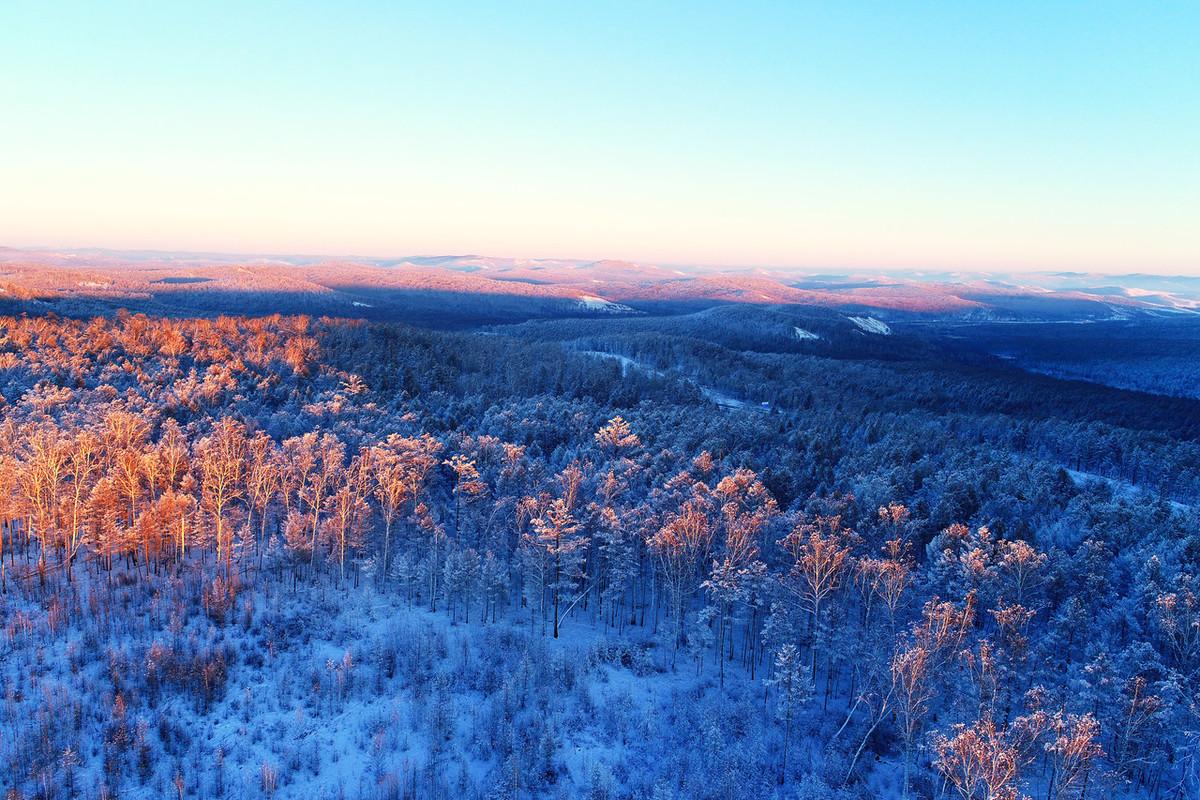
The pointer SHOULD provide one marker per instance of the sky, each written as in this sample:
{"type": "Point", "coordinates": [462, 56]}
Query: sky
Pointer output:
{"type": "Point", "coordinates": [975, 135]}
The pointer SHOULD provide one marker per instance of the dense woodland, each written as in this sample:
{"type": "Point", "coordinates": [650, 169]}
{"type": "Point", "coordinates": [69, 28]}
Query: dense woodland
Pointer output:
{"type": "Point", "coordinates": [288, 556]}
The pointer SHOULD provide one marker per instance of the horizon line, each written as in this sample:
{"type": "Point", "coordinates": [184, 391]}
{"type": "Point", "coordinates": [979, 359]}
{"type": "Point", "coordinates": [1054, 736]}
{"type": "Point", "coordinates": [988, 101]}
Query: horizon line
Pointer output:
{"type": "Point", "coordinates": [698, 268]}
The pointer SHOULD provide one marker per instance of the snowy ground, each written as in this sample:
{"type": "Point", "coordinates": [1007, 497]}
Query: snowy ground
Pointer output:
{"type": "Point", "coordinates": [872, 325]}
{"type": "Point", "coordinates": [329, 693]}
{"type": "Point", "coordinates": [599, 304]}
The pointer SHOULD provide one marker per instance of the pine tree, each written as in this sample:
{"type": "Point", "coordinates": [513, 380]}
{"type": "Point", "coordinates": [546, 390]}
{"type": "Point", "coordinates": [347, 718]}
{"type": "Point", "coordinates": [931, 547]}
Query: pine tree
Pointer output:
{"type": "Point", "coordinates": [556, 533]}
{"type": "Point", "coordinates": [820, 553]}
{"type": "Point", "coordinates": [679, 545]}
{"type": "Point", "coordinates": [616, 436]}
{"type": "Point", "coordinates": [790, 678]}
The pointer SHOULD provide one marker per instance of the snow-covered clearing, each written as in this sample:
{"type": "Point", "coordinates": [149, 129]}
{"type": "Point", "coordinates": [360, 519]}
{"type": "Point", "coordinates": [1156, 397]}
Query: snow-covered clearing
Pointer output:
{"type": "Point", "coordinates": [712, 395]}
{"type": "Point", "coordinates": [1120, 488]}
{"type": "Point", "coordinates": [599, 304]}
{"type": "Point", "coordinates": [626, 362]}
{"type": "Point", "coordinates": [871, 325]}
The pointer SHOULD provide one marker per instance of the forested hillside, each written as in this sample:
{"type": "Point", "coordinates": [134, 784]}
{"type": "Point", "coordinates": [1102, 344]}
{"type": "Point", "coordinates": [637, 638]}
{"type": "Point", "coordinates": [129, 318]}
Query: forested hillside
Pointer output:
{"type": "Point", "coordinates": [701, 556]}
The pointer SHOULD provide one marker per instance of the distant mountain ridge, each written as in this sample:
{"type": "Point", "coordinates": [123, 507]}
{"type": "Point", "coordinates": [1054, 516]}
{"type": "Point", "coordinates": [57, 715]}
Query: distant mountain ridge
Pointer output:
{"type": "Point", "coordinates": [497, 289]}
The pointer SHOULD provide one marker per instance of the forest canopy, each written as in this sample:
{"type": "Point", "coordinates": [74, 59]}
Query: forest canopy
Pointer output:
{"type": "Point", "coordinates": [248, 555]}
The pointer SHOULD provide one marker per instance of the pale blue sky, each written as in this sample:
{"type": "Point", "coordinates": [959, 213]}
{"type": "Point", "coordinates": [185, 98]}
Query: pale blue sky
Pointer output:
{"type": "Point", "coordinates": [1015, 135]}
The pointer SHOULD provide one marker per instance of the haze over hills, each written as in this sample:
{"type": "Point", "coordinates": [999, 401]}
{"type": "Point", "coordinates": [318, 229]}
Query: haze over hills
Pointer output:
{"type": "Point", "coordinates": [496, 289]}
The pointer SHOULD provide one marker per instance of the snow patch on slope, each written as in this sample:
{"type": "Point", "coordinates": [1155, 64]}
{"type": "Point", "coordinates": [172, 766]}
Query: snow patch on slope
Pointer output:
{"type": "Point", "coordinates": [593, 303]}
{"type": "Point", "coordinates": [803, 334]}
{"type": "Point", "coordinates": [1119, 313]}
{"type": "Point", "coordinates": [872, 325]}
{"type": "Point", "coordinates": [1166, 300]}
